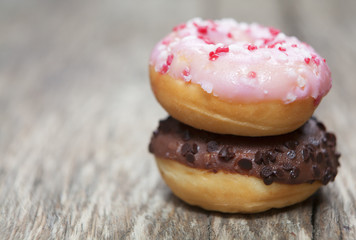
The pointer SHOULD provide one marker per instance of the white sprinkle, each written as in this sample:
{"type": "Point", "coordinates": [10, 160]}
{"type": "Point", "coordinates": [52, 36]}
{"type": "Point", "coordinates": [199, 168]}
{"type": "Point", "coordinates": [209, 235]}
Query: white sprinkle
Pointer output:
{"type": "Point", "coordinates": [301, 81]}
{"type": "Point", "coordinates": [207, 86]}
{"type": "Point", "coordinates": [187, 78]}
{"type": "Point", "coordinates": [290, 98]}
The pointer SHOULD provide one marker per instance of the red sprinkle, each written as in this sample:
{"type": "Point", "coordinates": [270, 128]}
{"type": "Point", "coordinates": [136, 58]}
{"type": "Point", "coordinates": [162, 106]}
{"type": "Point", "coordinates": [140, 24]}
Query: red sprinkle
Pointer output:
{"type": "Point", "coordinates": [324, 60]}
{"type": "Point", "coordinates": [179, 27]}
{"type": "Point", "coordinates": [165, 66]}
{"type": "Point", "coordinates": [169, 59]}
{"type": "Point", "coordinates": [317, 61]}
{"type": "Point", "coordinates": [201, 29]}
{"type": "Point", "coordinates": [251, 47]}
{"type": "Point", "coordinates": [205, 39]}
{"type": "Point", "coordinates": [166, 41]}
{"type": "Point", "coordinates": [267, 40]}
{"type": "Point", "coordinates": [186, 72]}
{"type": "Point", "coordinates": [252, 74]}
{"type": "Point", "coordinates": [294, 45]}
{"type": "Point", "coordinates": [213, 56]}
{"type": "Point", "coordinates": [274, 31]}
{"type": "Point", "coordinates": [274, 44]}
{"type": "Point", "coordinates": [307, 60]}
{"type": "Point", "coordinates": [222, 49]}
{"type": "Point", "coordinates": [164, 69]}
{"type": "Point", "coordinates": [282, 49]}
{"type": "Point", "coordinates": [229, 35]}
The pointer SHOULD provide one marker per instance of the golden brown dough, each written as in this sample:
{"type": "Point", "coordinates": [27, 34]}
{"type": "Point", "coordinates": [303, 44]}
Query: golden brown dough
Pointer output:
{"type": "Point", "coordinates": [190, 104]}
{"type": "Point", "coordinates": [226, 192]}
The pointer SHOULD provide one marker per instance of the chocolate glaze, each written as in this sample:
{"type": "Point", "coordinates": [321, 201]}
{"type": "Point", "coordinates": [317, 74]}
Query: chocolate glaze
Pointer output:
{"type": "Point", "coordinates": [303, 156]}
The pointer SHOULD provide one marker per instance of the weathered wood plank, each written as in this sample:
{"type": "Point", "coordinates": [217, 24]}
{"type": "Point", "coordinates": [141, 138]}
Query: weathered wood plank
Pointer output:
{"type": "Point", "coordinates": [76, 114]}
{"type": "Point", "coordinates": [335, 216]}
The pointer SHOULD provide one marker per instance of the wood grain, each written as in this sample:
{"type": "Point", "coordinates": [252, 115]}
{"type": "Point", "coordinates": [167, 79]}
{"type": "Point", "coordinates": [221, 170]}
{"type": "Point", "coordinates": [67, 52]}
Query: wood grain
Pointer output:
{"type": "Point", "coordinates": [76, 114]}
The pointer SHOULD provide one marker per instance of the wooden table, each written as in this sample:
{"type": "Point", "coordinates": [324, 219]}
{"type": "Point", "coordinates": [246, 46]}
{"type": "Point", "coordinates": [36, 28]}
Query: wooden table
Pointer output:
{"type": "Point", "coordinates": [77, 112]}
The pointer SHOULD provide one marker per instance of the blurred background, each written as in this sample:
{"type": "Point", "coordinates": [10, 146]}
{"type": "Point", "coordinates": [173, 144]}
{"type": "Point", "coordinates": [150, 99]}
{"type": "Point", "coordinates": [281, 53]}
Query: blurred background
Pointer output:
{"type": "Point", "coordinates": [77, 112]}
{"type": "Point", "coordinates": [94, 49]}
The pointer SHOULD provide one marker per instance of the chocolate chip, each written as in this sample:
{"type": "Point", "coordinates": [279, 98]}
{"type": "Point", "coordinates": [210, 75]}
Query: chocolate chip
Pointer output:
{"type": "Point", "coordinates": [186, 135]}
{"type": "Point", "coordinates": [310, 147]}
{"type": "Point", "coordinates": [305, 154]}
{"type": "Point", "coordinates": [195, 148]}
{"type": "Point", "coordinates": [268, 180]}
{"type": "Point", "coordinates": [312, 156]}
{"type": "Point", "coordinates": [321, 126]}
{"type": "Point", "coordinates": [269, 157]}
{"type": "Point", "coordinates": [212, 146]}
{"type": "Point", "coordinates": [278, 173]}
{"type": "Point", "coordinates": [294, 173]}
{"type": "Point", "coordinates": [316, 171]}
{"type": "Point", "coordinates": [258, 158]}
{"type": "Point", "coordinates": [331, 138]}
{"type": "Point", "coordinates": [328, 163]}
{"type": "Point", "coordinates": [319, 157]}
{"type": "Point", "coordinates": [287, 166]}
{"type": "Point", "coordinates": [186, 148]}
{"type": "Point", "coordinates": [291, 144]}
{"type": "Point", "coordinates": [245, 164]}
{"type": "Point", "coordinates": [324, 142]}
{"type": "Point", "coordinates": [265, 161]}
{"type": "Point", "coordinates": [266, 172]}
{"type": "Point", "coordinates": [226, 154]}
{"type": "Point", "coordinates": [337, 155]}
{"type": "Point", "coordinates": [189, 149]}
{"type": "Point", "coordinates": [327, 176]}
{"type": "Point", "coordinates": [190, 157]}
{"type": "Point", "coordinates": [291, 154]}
{"type": "Point", "coordinates": [281, 149]}
{"type": "Point", "coordinates": [325, 154]}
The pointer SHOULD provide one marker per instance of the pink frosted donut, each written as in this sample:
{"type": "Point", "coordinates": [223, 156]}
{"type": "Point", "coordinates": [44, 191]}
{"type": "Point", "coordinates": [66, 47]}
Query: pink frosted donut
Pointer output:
{"type": "Point", "coordinates": [229, 77]}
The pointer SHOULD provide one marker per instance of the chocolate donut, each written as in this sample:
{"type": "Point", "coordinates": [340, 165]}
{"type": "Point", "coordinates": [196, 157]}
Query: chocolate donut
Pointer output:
{"type": "Point", "coordinates": [304, 157]}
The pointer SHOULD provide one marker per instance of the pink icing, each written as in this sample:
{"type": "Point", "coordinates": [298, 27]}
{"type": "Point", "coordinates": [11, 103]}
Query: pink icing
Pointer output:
{"type": "Point", "coordinates": [241, 62]}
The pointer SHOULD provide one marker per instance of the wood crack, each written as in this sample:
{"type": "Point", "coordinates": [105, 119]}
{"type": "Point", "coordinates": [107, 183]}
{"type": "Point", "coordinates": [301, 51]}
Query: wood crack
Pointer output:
{"type": "Point", "coordinates": [209, 227]}
{"type": "Point", "coordinates": [341, 236]}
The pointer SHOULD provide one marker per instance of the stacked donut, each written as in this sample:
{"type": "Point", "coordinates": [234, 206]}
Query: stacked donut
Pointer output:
{"type": "Point", "coordinates": [240, 136]}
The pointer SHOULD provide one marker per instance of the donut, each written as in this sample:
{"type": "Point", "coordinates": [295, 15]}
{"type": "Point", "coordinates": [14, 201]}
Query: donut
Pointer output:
{"type": "Point", "coordinates": [234, 78]}
{"type": "Point", "coordinates": [229, 173]}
